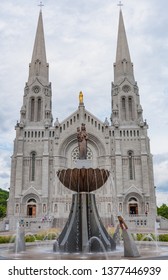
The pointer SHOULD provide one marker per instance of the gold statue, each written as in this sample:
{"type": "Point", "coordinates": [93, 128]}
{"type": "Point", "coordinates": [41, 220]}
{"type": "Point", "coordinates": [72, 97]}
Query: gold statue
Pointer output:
{"type": "Point", "coordinates": [81, 97]}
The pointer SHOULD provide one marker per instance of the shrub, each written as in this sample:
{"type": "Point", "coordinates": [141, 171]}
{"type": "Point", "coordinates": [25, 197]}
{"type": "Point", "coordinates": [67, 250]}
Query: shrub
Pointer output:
{"type": "Point", "coordinates": [150, 237]}
{"type": "Point", "coordinates": [7, 239]}
{"type": "Point", "coordinates": [139, 236]}
{"type": "Point", "coordinates": [50, 234]}
{"type": "Point", "coordinates": [163, 237]}
{"type": "Point", "coordinates": [30, 238]}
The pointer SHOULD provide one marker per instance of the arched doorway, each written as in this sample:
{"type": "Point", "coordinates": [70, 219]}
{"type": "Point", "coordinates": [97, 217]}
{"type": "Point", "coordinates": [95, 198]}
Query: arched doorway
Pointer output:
{"type": "Point", "coordinates": [133, 206]}
{"type": "Point", "coordinates": [31, 207]}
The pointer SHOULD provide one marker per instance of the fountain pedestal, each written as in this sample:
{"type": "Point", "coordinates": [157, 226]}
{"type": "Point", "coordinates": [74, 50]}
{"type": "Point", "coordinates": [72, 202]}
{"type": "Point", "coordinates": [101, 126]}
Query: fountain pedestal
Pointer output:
{"type": "Point", "coordinates": [84, 230]}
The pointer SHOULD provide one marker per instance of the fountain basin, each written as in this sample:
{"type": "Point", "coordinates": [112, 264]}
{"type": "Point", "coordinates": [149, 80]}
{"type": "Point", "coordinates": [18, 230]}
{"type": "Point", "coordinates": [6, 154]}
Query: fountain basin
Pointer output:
{"type": "Point", "coordinates": [83, 180]}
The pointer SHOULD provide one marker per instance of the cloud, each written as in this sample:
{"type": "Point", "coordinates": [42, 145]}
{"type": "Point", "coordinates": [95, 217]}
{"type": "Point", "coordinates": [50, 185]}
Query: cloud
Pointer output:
{"type": "Point", "coordinates": [4, 175]}
{"type": "Point", "coordinates": [161, 197]}
{"type": "Point", "coordinates": [5, 163]}
{"type": "Point", "coordinates": [160, 158]}
{"type": "Point", "coordinates": [161, 172]}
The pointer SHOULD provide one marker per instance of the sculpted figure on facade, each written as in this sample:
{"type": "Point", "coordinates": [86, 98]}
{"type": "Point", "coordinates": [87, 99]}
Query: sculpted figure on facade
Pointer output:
{"type": "Point", "coordinates": [82, 137]}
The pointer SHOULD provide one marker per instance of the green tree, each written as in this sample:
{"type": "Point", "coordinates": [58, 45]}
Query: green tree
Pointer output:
{"type": "Point", "coordinates": [3, 202]}
{"type": "Point", "coordinates": [163, 211]}
{"type": "Point", "coordinates": [2, 211]}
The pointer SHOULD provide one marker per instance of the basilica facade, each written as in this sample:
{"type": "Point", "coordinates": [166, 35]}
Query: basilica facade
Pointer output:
{"type": "Point", "coordinates": [43, 146]}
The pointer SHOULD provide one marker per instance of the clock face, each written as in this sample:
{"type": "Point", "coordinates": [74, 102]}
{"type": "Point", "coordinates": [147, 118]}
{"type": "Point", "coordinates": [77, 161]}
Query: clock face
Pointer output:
{"type": "Point", "coordinates": [36, 89]}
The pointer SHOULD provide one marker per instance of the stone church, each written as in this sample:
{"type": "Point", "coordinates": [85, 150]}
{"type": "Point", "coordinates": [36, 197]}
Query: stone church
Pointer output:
{"type": "Point", "coordinates": [43, 146]}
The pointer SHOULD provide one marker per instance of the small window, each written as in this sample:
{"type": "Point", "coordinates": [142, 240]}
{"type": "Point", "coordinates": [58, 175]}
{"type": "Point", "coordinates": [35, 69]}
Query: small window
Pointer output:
{"type": "Point", "coordinates": [123, 108]}
{"type": "Point", "coordinates": [109, 208]}
{"type": "Point", "coordinates": [131, 165]}
{"type": "Point", "coordinates": [33, 165]}
{"type": "Point", "coordinates": [130, 107]}
{"type": "Point", "coordinates": [39, 109]}
{"type": "Point", "coordinates": [32, 109]}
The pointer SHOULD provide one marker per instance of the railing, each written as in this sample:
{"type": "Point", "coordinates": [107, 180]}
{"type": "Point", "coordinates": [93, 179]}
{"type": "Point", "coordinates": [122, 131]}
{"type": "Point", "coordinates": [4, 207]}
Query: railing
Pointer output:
{"type": "Point", "coordinates": [138, 215]}
{"type": "Point", "coordinates": [137, 221]}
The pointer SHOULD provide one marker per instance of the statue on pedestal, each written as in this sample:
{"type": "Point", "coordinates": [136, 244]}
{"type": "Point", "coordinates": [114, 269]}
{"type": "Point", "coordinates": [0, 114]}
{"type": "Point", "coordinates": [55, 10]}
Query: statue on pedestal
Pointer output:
{"type": "Point", "coordinates": [81, 98]}
{"type": "Point", "coordinates": [82, 137]}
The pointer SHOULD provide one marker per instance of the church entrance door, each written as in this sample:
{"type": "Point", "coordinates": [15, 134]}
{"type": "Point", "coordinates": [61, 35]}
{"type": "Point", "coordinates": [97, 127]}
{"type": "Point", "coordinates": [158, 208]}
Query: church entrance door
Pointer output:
{"type": "Point", "coordinates": [31, 207]}
{"type": "Point", "coordinates": [133, 209]}
{"type": "Point", "coordinates": [31, 210]}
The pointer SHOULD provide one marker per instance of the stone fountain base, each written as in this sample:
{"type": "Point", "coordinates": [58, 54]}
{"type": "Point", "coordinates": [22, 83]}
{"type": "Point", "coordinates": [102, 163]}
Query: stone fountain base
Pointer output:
{"type": "Point", "coordinates": [84, 230]}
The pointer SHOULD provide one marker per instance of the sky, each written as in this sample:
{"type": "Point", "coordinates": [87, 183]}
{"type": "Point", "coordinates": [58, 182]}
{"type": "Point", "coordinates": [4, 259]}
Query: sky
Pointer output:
{"type": "Point", "coordinates": [81, 39]}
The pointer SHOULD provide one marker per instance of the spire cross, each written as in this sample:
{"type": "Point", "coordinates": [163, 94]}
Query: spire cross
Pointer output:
{"type": "Point", "coordinates": [41, 5]}
{"type": "Point", "coordinates": [120, 4]}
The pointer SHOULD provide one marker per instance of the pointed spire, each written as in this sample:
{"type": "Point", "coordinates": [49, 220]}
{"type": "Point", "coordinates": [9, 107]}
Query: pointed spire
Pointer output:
{"type": "Point", "coordinates": [39, 66]}
{"type": "Point", "coordinates": [122, 44]}
{"type": "Point", "coordinates": [123, 67]}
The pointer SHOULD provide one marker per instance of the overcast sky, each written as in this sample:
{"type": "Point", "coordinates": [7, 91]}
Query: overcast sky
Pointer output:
{"type": "Point", "coordinates": [80, 41]}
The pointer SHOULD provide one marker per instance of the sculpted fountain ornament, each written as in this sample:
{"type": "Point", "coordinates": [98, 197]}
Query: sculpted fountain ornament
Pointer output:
{"type": "Point", "coordinates": [84, 230]}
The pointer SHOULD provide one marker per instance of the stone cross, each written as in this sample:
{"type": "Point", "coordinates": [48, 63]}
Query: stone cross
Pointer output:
{"type": "Point", "coordinates": [41, 5]}
{"type": "Point", "coordinates": [120, 4]}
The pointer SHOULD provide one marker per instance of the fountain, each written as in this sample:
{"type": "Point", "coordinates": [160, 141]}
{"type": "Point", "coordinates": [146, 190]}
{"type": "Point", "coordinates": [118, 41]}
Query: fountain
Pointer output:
{"type": "Point", "coordinates": [19, 244]}
{"type": "Point", "coordinates": [84, 224]}
{"type": "Point", "coordinates": [84, 221]}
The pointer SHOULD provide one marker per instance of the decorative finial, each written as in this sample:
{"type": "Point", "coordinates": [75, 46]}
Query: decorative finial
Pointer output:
{"type": "Point", "coordinates": [120, 4]}
{"type": "Point", "coordinates": [41, 5]}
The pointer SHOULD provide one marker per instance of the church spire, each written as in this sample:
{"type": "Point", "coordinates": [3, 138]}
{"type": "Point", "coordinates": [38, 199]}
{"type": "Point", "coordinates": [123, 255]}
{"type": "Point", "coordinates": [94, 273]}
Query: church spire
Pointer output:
{"type": "Point", "coordinates": [123, 67]}
{"type": "Point", "coordinates": [126, 107]}
{"type": "Point", "coordinates": [37, 101]}
{"type": "Point", "coordinates": [39, 66]}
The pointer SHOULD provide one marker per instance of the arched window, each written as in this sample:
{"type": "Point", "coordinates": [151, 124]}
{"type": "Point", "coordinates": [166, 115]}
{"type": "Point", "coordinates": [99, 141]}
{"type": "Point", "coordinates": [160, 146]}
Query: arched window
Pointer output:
{"type": "Point", "coordinates": [44, 208]}
{"type": "Point", "coordinates": [17, 208]}
{"type": "Point", "coordinates": [39, 109]}
{"type": "Point", "coordinates": [120, 207]}
{"type": "Point", "coordinates": [130, 108]}
{"type": "Point", "coordinates": [109, 208]}
{"type": "Point", "coordinates": [33, 165]}
{"type": "Point", "coordinates": [123, 108]}
{"type": "Point", "coordinates": [32, 108]}
{"type": "Point", "coordinates": [131, 165]}
{"type": "Point", "coordinates": [55, 208]}
{"type": "Point", "coordinates": [66, 207]}
{"type": "Point", "coordinates": [147, 208]}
